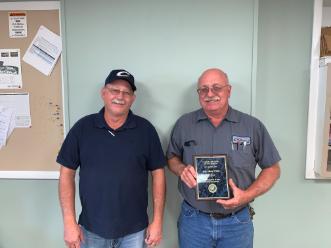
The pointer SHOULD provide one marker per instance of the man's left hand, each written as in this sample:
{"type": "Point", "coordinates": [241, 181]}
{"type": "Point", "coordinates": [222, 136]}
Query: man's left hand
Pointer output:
{"type": "Point", "coordinates": [153, 234]}
{"type": "Point", "coordinates": [239, 197]}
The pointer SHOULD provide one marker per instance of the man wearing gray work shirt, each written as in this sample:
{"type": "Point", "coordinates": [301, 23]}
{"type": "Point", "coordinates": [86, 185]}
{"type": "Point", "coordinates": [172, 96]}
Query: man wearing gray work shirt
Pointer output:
{"type": "Point", "coordinates": [214, 129]}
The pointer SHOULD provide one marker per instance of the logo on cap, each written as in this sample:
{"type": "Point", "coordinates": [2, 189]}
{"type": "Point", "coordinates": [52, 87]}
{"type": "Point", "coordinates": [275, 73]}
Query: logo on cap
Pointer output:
{"type": "Point", "coordinates": [123, 74]}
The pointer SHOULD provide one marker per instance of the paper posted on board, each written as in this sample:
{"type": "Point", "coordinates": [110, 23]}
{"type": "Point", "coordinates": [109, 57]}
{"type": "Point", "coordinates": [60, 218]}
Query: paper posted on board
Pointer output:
{"type": "Point", "coordinates": [44, 51]}
{"type": "Point", "coordinates": [19, 102]}
{"type": "Point", "coordinates": [7, 124]}
{"type": "Point", "coordinates": [17, 25]}
{"type": "Point", "coordinates": [10, 69]}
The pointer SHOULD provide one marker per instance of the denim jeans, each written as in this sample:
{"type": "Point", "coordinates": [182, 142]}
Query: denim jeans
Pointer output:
{"type": "Point", "coordinates": [134, 240]}
{"type": "Point", "coordinates": [199, 230]}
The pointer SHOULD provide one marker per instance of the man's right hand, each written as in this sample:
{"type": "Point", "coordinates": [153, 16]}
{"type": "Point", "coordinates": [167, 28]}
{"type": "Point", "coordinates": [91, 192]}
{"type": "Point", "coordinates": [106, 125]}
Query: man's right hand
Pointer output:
{"type": "Point", "coordinates": [189, 176]}
{"type": "Point", "coordinates": [73, 235]}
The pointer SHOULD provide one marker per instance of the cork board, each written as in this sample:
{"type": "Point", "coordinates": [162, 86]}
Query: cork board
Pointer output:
{"type": "Point", "coordinates": [31, 152]}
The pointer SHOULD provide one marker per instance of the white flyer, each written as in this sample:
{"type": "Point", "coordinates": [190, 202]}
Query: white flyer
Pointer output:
{"type": "Point", "coordinates": [44, 51]}
{"type": "Point", "coordinates": [10, 69]}
{"type": "Point", "coordinates": [7, 124]}
{"type": "Point", "coordinates": [17, 25]}
{"type": "Point", "coordinates": [19, 102]}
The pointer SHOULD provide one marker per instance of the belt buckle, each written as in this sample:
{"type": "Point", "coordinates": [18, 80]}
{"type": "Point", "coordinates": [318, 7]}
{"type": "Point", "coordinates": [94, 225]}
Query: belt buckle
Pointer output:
{"type": "Point", "coordinates": [218, 215]}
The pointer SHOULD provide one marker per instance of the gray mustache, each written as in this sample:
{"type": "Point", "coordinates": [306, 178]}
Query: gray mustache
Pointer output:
{"type": "Point", "coordinates": [117, 101]}
{"type": "Point", "coordinates": [209, 99]}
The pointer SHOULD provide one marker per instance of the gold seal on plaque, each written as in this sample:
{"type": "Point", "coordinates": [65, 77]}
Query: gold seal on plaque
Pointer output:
{"type": "Point", "coordinates": [212, 188]}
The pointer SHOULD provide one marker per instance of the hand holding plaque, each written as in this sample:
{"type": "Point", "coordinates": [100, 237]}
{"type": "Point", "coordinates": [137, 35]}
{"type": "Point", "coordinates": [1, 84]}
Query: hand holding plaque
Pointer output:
{"type": "Point", "coordinates": [212, 177]}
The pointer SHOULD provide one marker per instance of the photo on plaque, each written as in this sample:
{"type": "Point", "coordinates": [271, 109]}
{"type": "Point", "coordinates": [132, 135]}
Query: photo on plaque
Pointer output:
{"type": "Point", "coordinates": [212, 177]}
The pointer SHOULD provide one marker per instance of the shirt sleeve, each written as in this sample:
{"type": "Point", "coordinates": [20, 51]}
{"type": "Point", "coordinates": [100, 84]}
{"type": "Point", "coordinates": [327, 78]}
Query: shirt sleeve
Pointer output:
{"type": "Point", "coordinates": [266, 151]}
{"type": "Point", "coordinates": [156, 158]}
{"type": "Point", "coordinates": [69, 152]}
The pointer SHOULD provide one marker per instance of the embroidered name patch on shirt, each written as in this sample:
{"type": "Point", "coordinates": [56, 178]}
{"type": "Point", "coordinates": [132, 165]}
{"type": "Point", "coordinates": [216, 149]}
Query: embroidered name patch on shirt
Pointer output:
{"type": "Point", "coordinates": [241, 140]}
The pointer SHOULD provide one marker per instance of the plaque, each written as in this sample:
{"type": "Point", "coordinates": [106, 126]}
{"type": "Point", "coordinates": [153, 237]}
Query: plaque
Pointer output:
{"type": "Point", "coordinates": [212, 177]}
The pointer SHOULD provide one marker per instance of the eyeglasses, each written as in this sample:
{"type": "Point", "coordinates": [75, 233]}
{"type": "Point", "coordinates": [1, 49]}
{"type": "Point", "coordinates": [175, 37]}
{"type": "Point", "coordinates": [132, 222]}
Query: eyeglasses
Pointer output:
{"type": "Point", "coordinates": [215, 88]}
{"type": "Point", "coordinates": [117, 92]}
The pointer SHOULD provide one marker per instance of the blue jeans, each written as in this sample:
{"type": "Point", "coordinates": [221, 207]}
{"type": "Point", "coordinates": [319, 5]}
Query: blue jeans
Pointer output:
{"type": "Point", "coordinates": [92, 240]}
{"type": "Point", "coordinates": [199, 230]}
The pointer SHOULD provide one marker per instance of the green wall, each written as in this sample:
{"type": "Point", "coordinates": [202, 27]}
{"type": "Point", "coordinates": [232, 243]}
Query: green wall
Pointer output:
{"type": "Point", "coordinates": [30, 214]}
{"type": "Point", "coordinates": [166, 45]}
{"type": "Point", "coordinates": [296, 213]}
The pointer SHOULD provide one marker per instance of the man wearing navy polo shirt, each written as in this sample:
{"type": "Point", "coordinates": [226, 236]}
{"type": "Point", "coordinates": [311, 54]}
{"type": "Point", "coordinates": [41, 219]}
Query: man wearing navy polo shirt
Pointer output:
{"type": "Point", "coordinates": [114, 150]}
{"type": "Point", "coordinates": [218, 129]}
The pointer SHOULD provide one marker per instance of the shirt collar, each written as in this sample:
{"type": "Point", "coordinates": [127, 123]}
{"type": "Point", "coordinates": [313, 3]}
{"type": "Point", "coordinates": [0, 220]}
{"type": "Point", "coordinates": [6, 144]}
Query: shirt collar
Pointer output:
{"type": "Point", "coordinates": [201, 115]}
{"type": "Point", "coordinates": [231, 115]}
{"type": "Point", "coordinates": [100, 121]}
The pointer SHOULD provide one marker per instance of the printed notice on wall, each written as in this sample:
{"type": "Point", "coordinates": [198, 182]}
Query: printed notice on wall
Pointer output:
{"type": "Point", "coordinates": [7, 124]}
{"type": "Point", "coordinates": [17, 25]}
{"type": "Point", "coordinates": [10, 69]}
{"type": "Point", "coordinates": [44, 51]}
{"type": "Point", "coordinates": [19, 103]}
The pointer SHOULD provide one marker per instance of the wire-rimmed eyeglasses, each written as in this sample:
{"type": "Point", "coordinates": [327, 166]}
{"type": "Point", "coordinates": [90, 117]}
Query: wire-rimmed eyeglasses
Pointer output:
{"type": "Point", "coordinates": [215, 88]}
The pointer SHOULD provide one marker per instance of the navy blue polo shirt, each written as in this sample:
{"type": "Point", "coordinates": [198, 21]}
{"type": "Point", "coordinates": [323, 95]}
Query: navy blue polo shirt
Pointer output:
{"type": "Point", "coordinates": [113, 173]}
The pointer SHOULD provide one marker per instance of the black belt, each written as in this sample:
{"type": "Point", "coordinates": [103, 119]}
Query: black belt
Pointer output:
{"type": "Point", "coordinates": [219, 215]}
{"type": "Point", "coordinates": [216, 215]}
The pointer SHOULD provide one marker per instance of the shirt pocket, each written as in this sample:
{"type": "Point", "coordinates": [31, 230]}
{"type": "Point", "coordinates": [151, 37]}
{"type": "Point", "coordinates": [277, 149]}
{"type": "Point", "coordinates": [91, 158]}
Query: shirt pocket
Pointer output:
{"type": "Point", "coordinates": [188, 153]}
{"type": "Point", "coordinates": [241, 158]}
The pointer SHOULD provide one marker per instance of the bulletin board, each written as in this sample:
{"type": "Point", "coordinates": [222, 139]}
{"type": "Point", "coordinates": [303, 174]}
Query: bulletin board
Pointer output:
{"type": "Point", "coordinates": [31, 152]}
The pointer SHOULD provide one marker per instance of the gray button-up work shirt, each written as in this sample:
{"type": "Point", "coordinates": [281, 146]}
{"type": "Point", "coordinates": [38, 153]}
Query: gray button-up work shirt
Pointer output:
{"type": "Point", "coordinates": [193, 134]}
